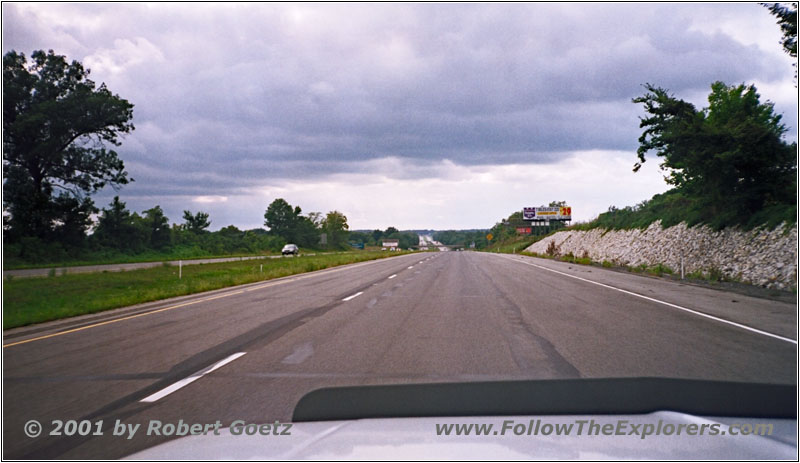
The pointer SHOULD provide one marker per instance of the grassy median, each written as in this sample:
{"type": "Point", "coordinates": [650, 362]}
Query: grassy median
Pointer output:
{"type": "Point", "coordinates": [36, 300]}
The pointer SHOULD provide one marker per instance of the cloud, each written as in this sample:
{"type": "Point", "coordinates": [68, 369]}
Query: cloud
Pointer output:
{"type": "Point", "coordinates": [125, 54]}
{"type": "Point", "coordinates": [230, 98]}
{"type": "Point", "coordinates": [210, 199]}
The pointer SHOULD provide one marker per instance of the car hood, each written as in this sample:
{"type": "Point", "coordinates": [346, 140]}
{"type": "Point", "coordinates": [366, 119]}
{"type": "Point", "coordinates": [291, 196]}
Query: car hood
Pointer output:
{"type": "Point", "coordinates": [417, 438]}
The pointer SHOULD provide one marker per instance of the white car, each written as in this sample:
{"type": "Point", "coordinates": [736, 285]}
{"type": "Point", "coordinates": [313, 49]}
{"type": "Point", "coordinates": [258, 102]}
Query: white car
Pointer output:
{"type": "Point", "coordinates": [595, 419]}
{"type": "Point", "coordinates": [290, 249]}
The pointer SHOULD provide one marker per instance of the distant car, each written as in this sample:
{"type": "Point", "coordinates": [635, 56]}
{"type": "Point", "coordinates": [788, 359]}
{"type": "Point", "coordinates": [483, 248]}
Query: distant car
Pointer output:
{"type": "Point", "coordinates": [290, 249]}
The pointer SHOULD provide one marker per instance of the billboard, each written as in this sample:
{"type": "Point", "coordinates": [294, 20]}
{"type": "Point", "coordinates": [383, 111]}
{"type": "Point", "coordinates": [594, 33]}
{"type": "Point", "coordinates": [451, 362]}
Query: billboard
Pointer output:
{"type": "Point", "coordinates": [547, 213]}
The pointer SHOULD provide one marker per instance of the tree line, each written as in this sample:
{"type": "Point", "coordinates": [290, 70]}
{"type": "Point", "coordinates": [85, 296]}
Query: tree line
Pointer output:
{"type": "Point", "coordinates": [119, 231]}
{"type": "Point", "coordinates": [463, 238]}
{"type": "Point", "coordinates": [405, 239]}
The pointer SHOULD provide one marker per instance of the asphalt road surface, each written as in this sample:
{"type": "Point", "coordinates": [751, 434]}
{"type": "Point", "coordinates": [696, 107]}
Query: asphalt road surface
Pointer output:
{"type": "Point", "coordinates": [252, 351]}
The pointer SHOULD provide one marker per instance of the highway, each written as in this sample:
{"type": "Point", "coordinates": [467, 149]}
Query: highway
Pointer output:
{"type": "Point", "coordinates": [252, 351]}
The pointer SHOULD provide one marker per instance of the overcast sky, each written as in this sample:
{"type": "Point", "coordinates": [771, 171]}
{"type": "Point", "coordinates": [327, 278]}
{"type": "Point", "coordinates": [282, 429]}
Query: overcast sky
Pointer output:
{"type": "Point", "coordinates": [410, 115]}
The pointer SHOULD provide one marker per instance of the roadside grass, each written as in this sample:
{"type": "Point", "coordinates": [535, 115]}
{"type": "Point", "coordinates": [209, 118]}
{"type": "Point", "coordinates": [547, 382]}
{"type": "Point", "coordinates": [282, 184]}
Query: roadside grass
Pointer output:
{"type": "Point", "coordinates": [14, 263]}
{"type": "Point", "coordinates": [39, 299]}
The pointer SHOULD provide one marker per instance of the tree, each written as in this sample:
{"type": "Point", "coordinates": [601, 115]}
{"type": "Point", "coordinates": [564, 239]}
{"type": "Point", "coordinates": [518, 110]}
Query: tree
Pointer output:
{"type": "Point", "coordinates": [728, 158]}
{"type": "Point", "coordinates": [307, 233]}
{"type": "Point", "coordinates": [281, 219]}
{"type": "Point", "coordinates": [557, 204]}
{"type": "Point", "coordinates": [316, 218]}
{"type": "Point", "coordinates": [55, 128]}
{"type": "Point", "coordinates": [196, 223]}
{"type": "Point", "coordinates": [71, 219]}
{"type": "Point", "coordinates": [335, 226]}
{"type": "Point", "coordinates": [787, 19]}
{"type": "Point", "coordinates": [358, 237]}
{"type": "Point", "coordinates": [116, 228]}
{"type": "Point", "coordinates": [156, 225]}
{"type": "Point", "coordinates": [287, 222]}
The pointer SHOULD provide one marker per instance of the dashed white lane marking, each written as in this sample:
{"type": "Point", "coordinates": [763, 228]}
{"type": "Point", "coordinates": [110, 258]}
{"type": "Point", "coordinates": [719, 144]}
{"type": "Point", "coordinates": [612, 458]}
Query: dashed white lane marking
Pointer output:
{"type": "Point", "coordinates": [186, 381]}
{"type": "Point", "coordinates": [353, 296]}
{"type": "Point", "coordinates": [701, 314]}
{"type": "Point", "coordinates": [392, 276]}
{"type": "Point", "coordinates": [410, 267]}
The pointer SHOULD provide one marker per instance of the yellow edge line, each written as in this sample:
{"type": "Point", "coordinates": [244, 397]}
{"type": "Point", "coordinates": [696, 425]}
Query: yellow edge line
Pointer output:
{"type": "Point", "coordinates": [164, 309]}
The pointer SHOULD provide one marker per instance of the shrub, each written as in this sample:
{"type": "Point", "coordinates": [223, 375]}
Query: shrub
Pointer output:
{"type": "Point", "coordinates": [660, 269]}
{"type": "Point", "coordinates": [697, 275]}
{"type": "Point", "coordinates": [715, 274]}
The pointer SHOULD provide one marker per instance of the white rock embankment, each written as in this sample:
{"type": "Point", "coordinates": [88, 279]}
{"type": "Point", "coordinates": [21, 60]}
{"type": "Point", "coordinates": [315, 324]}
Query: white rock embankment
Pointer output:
{"type": "Point", "coordinates": [765, 258]}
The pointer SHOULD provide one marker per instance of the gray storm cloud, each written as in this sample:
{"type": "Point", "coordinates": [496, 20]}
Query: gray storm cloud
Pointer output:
{"type": "Point", "coordinates": [230, 96]}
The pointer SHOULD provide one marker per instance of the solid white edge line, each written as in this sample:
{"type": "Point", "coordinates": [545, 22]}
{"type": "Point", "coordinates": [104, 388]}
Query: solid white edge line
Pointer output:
{"type": "Point", "coordinates": [353, 296]}
{"type": "Point", "coordinates": [712, 317]}
{"type": "Point", "coordinates": [186, 381]}
{"type": "Point", "coordinates": [392, 276]}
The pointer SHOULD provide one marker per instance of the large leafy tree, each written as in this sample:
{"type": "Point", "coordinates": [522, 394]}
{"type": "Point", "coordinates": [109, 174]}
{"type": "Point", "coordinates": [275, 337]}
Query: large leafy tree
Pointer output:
{"type": "Point", "coordinates": [729, 158]}
{"type": "Point", "coordinates": [57, 126]}
{"type": "Point", "coordinates": [336, 227]}
{"type": "Point", "coordinates": [288, 222]}
{"type": "Point", "coordinates": [281, 219]}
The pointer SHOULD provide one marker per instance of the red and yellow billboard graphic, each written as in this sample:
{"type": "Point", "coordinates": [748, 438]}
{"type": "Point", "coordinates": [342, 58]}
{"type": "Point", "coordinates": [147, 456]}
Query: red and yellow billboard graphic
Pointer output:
{"type": "Point", "coordinates": [547, 213]}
